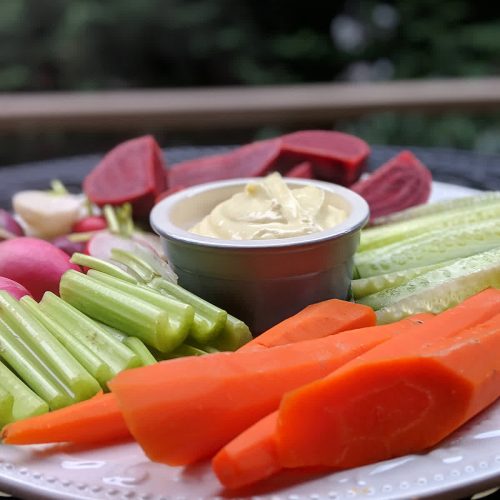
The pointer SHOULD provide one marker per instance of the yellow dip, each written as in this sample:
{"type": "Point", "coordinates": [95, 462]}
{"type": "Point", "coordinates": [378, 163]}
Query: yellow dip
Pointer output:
{"type": "Point", "coordinates": [269, 209]}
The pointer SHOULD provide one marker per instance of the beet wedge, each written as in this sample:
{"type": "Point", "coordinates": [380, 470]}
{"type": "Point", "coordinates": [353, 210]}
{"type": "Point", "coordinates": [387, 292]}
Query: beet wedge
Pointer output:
{"type": "Point", "coordinates": [134, 171]}
{"type": "Point", "coordinates": [400, 183]}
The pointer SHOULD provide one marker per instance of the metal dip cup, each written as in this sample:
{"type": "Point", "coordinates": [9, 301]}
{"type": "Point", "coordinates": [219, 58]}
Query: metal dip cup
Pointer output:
{"type": "Point", "coordinates": [260, 282]}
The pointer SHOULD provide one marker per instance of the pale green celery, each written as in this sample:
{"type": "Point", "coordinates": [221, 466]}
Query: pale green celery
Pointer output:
{"type": "Point", "coordinates": [366, 286]}
{"type": "Point", "coordinates": [51, 352]}
{"type": "Point", "coordinates": [102, 265]}
{"type": "Point", "coordinates": [134, 263]}
{"type": "Point", "coordinates": [476, 200]}
{"type": "Point", "coordinates": [439, 297]}
{"type": "Point", "coordinates": [117, 356]}
{"type": "Point", "coordinates": [183, 351]}
{"type": "Point", "coordinates": [179, 315]}
{"type": "Point", "coordinates": [111, 220]}
{"type": "Point", "coordinates": [26, 403]}
{"type": "Point", "coordinates": [379, 236]}
{"type": "Point", "coordinates": [481, 262]}
{"type": "Point", "coordinates": [6, 406]}
{"type": "Point", "coordinates": [209, 320]}
{"type": "Point", "coordinates": [234, 335]}
{"type": "Point", "coordinates": [138, 346]}
{"type": "Point", "coordinates": [77, 347]}
{"type": "Point", "coordinates": [31, 369]}
{"type": "Point", "coordinates": [431, 248]}
{"type": "Point", "coordinates": [123, 311]}
{"type": "Point", "coordinates": [57, 187]}
{"type": "Point", "coordinates": [117, 334]}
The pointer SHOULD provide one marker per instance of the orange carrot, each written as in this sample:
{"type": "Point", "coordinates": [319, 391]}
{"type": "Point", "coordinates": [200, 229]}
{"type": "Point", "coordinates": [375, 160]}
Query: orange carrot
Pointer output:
{"type": "Point", "coordinates": [253, 455]}
{"type": "Point", "coordinates": [391, 401]}
{"type": "Point", "coordinates": [95, 420]}
{"type": "Point", "coordinates": [186, 409]}
{"type": "Point", "coordinates": [315, 321]}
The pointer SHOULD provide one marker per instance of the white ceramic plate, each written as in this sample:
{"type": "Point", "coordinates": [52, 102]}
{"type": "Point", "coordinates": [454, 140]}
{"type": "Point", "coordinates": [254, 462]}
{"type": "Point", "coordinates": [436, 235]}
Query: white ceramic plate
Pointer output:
{"type": "Point", "coordinates": [466, 463]}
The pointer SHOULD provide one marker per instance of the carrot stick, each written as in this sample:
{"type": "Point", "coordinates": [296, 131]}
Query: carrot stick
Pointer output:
{"type": "Point", "coordinates": [391, 401]}
{"type": "Point", "coordinates": [95, 420]}
{"type": "Point", "coordinates": [253, 455]}
{"type": "Point", "coordinates": [315, 321]}
{"type": "Point", "coordinates": [186, 409]}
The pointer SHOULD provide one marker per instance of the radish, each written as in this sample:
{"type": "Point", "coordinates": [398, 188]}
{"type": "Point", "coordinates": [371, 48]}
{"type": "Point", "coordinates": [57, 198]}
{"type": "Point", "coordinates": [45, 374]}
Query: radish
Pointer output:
{"type": "Point", "coordinates": [34, 263]}
{"type": "Point", "coordinates": [90, 223]}
{"type": "Point", "coordinates": [9, 227]}
{"type": "Point", "coordinates": [13, 288]}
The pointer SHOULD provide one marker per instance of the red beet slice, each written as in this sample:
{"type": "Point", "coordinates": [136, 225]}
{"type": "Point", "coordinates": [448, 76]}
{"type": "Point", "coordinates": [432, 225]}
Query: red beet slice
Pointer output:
{"type": "Point", "coordinates": [400, 183]}
{"type": "Point", "coordinates": [252, 160]}
{"type": "Point", "coordinates": [303, 170]}
{"type": "Point", "coordinates": [335, 156]}
{"type": "Point", "coordinates": [134, 171]}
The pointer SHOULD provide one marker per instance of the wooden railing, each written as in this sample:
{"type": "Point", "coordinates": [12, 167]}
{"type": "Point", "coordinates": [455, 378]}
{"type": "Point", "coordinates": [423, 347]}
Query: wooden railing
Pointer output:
{"type": "Point", "coordinates": [190, 109]}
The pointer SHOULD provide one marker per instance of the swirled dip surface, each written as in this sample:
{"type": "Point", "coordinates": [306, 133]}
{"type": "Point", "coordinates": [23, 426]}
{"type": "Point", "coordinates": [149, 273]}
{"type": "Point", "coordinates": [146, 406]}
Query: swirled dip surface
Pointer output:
{"type": "Point", "coordinates": [269, 209]}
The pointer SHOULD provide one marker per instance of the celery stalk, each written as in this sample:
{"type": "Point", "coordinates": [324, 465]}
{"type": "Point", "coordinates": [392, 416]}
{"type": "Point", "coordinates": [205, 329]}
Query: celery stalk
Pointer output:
{"type": "Point", "coordinates": [234, 335]}
{"type": "Point", "coordinates": [123, 311]}
{"type": "Point", "coordinates": [136, 264]}
{"type": "Point", "coordinates": [6, 406]}
{"type": "Point", "coordinates": [179, 315]}
{"type": "Point", "coordinates": [117, 356]}
{"type": "Point", "coordinates": [102, 265]}
{"type": "Point", "coordinates": [209, 320]}
{"type": "Point", "coordinates": [26, 402]}
{"type": "Point", "coordinates": [31, 369]}
{"type": "Point", "coordinates": [89, 360]}
{"type": "Point", "coordinates": [137, 345]}
{"type": "Point", "coordinates": [183, 351]}
{"type": "Point", "coordinates": [52, 353]}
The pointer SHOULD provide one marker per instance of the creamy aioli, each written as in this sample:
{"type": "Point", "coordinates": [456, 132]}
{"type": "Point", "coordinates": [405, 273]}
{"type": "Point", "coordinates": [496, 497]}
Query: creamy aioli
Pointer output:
{"type": "Point", "coordinates": [269, 209]}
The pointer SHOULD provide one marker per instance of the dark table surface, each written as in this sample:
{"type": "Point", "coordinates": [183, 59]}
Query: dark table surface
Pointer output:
{"type": "Point", "coordinates": [465, 168]}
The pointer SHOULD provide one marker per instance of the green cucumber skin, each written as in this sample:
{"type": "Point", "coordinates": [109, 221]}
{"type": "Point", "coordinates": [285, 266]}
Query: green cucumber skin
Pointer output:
{"type": "Point", "coordinates": [440, 297]}
{"type": "Point", "coordinates": [436, 277]}
{"type": "Point", "coordinates": [25, 402]}
{"type": "Point", "coordinates": [380, 236]}
{"type": "Point", "coordinates": [427, 249]}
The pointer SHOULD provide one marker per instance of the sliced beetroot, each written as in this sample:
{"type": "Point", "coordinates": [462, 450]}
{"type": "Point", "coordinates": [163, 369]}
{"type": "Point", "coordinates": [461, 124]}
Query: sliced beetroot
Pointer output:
{"type": "Point", "coordinates": [252, 160]}
{"type": "Point", "coordinates": [134, 171]}
{"type": "Point", "coordinates": [400, 183]}
{"type": "Point", "coordinates": [303, 170]}
{"type": "Point", "coordinates": [334, 156]}
{"type": "Point", "coordinates": [13, 288]}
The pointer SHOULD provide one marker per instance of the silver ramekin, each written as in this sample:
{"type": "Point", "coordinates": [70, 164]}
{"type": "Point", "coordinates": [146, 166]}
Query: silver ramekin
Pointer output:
{"type": "Point", "coordinates": [260, 282]}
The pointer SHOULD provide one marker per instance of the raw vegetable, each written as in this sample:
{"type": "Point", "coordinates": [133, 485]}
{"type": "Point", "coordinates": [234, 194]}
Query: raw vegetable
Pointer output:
{"type": "Point", "coordinates": [103, 266]}
{"type": "Point", "coordinates": [134, 171]}
{"type": "Point", "coordinates": [13, 288]}
{"type": "Point", "coordinates": [68, 245]}
{"type": "Point", "coordinates": [400, 183]}
{"type": "Point", "coordinates": [303, 170]}
{"type": "Point", "coordinates": [183, 410]}
{"type": "Point", "coordinates": [89, 223]}
{"type": "Point", "coordinates": [97, 420]}
{"type": "Point", "coordinates": [35, 264]}
{"type": "Point", "coordinates": [6, 404]}
{"type": "Point", "coordinates": [315, 321]}
{"type": "Point", "coordinates": [234, 335]}
{"type": "Point", "coordinates": [9, 227]}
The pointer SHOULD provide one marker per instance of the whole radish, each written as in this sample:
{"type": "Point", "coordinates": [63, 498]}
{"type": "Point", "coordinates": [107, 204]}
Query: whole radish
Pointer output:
{"type": "Point", "coordinates": [35, 264]}
{"type": "Point", "coordinates": [9, 227]}
{"type": "Point", "coordinates": [13, 288]}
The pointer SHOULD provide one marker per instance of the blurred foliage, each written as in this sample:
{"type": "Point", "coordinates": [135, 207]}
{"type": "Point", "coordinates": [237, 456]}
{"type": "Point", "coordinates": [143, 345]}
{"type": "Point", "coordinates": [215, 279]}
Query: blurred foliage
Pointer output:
{"type": "Point", "coordinates": [95, 44]}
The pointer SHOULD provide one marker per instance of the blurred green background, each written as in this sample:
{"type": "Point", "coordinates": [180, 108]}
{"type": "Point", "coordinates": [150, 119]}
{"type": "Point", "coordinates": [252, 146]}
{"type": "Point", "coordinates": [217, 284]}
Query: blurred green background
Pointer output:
{"type": "Point", "coordinates": [50, 45]}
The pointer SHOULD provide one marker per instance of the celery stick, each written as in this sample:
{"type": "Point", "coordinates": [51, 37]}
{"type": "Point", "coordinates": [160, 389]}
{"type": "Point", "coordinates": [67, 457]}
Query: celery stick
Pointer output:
{"type": "Point", "coordinates": [209, 320]}
{"type": "Point", "coordinates": [26, 402]}
{"type": "Point", "coordinates": [137, 345]}
{"type": "Point", "coordinates": [102, 265]}
{"type": "Point", "coordinates": [117, 356]}
{"type": "Point", "coordinates": [484, 261]}
{"type": "Point", "coordinates": [482, 199]}
{"type": "Point", "coordinates": [380, 236]}
{"type": "Point", "coordinates": [137, 265]}
{"type": "Point", "coordinates": [432, 248]}
{"type": "Point", "coordinates": [179, 315]}
{"type": "Point", "coordinates": [89, 360]}
{"type": "Point", "coordinates": [31, 370]}
{"type": "Point", "coordinates": [234, 335]}
{"type": "Point", "coordinates": [6, 406]}
{"type": "Point", "coordinates": [123, 311]}
{"type": "Point", "coordinates": [183, 351]}
{"type": "Point", "coordinates": [52, 353]}
{"type": "Point", "coordinates": [366, 286]}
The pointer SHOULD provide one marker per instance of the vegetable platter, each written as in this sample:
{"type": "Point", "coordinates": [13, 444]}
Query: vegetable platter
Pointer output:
{"type": "Point", "coordinates": [467, 462]}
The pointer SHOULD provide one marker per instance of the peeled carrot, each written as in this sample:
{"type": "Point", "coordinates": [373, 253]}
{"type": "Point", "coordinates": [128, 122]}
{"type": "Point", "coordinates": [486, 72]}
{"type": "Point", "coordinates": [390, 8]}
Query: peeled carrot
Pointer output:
{"type": "Point", "coordinates": [186, 409]}
{"type": "Point", "coordinates": [95, 420]}
{"type": "Point", "coordinates": [391, 401]}
{"type": "Point", "coordinates": [253, 455]}
{"type": "Point", "coordinates": [315, 321]}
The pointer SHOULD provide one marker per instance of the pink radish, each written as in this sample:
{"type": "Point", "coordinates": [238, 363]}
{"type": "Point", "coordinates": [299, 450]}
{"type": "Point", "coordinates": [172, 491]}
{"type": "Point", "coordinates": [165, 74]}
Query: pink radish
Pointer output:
{"type": "Point", "coordinates": [35, 264]}
{"type": "Point", "coordinates": [9, 227]}
{"type": "Point", "coordinates": [13, 288]}
{"type": "Point", "coordinates": [90, 223]}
